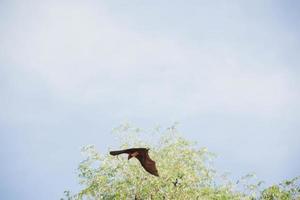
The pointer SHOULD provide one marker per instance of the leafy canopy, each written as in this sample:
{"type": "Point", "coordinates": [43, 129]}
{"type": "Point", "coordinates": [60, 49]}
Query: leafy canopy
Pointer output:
{"type": "Point", "coordinates": [185, 172]}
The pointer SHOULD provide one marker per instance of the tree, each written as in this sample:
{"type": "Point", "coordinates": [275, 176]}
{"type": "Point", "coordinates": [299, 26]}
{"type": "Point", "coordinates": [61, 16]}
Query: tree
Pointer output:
{"type": "Point", "coordinates": [185, 172]}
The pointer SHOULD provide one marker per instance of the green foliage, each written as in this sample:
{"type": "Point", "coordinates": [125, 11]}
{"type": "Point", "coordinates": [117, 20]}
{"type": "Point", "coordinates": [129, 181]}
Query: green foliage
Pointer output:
{"type": "Point", "coordinates": [185, 173]}
{"type": "Point", "coordinates": [284, 191]}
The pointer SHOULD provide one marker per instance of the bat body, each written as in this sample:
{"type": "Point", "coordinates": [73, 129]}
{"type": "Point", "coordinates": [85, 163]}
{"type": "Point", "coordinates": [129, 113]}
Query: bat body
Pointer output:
{"type": "Point", "coordinates": [142, 155]}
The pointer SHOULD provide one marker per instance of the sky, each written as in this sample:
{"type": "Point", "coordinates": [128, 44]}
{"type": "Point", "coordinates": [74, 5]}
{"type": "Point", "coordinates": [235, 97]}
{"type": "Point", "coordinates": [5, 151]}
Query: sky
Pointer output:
{"type": "Point", "coordinates": [71, 71]}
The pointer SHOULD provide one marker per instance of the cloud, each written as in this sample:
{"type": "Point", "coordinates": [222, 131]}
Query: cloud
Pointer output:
{"type": "Point", "coordinates": [86, 56]}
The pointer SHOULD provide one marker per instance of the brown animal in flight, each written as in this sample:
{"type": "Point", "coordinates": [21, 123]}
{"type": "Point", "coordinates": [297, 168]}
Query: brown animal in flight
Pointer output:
{"type": "Point", "coordinates": [142, 155]}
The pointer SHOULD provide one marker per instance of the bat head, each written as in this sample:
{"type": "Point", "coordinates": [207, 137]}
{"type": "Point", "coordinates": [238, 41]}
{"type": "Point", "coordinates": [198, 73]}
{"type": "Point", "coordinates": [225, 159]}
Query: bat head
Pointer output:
{"type": "Point", "coordinates": [129, 156]}
{"type": "Point", "coordinates": [134, 154]}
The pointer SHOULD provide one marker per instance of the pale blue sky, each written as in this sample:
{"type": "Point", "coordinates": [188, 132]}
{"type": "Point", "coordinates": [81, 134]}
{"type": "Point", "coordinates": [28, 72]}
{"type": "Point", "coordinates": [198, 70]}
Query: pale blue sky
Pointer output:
{"type": "Point", "coordinates": [70, 71]}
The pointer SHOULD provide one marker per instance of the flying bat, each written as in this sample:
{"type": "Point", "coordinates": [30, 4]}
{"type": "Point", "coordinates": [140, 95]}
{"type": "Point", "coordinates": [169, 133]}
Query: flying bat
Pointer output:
{"type": "Point", "coordinates": [142, 155]}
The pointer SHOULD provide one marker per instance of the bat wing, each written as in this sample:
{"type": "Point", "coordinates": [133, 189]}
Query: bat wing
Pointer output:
{"type": "Point", "coordinates": [148, 164]}
{"type": "Point", "coordinates": [114, 153]}
{"type": "Point", "coordinates": [129, 151]}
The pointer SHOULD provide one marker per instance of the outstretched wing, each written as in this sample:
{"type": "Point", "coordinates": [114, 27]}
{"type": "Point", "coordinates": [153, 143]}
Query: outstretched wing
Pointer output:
{"type": "Point", "coordinates": [129, 151]}
{"type": "Point", "coordinates": [114, 153]}
{"type": "Point", "coordinates": [147, 163]}
{"type": "Point", "coordinates": [142, 155]}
